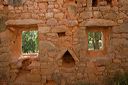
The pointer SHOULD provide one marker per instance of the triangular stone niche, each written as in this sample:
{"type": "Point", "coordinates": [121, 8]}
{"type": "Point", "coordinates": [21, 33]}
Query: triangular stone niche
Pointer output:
{"type": "Point", "coordinates": [67, 60]}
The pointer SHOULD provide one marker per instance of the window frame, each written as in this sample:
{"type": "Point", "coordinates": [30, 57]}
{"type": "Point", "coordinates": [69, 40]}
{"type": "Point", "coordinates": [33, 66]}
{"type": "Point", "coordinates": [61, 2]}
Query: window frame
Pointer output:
{"type": "Point", "coordinates": [106, 39]}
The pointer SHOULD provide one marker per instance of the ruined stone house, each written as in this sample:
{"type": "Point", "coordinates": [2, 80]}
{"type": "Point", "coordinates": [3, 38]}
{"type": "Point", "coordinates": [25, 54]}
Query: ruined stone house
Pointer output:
{"type": "Point", "coordinates": [63, 26]}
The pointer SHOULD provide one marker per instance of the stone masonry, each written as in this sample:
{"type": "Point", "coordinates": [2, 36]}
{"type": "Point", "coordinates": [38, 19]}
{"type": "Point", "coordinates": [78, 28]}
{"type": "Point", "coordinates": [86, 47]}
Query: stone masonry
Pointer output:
{"type": "Point", "coordinates": [62, 27]}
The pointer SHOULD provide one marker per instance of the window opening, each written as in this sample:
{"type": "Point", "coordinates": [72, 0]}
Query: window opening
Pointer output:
{"type": "Point", "coordinates": [95, 40]}
{"type": "Point", "coordinates": [30, 42]}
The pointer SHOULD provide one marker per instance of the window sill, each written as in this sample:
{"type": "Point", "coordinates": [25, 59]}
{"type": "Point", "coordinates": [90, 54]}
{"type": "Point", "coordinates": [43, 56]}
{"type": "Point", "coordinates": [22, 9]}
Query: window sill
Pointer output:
{"type": "Point", "coordinates": [29, 55]}
{"type": "Point", "coordinates": [94, 53]}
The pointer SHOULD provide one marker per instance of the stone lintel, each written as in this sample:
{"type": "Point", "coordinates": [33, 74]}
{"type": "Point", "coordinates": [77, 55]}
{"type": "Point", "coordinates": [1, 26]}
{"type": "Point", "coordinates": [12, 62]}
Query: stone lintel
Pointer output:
{"type": "Point", "coordinates": [99, 22]}
{"type": "Point", "coordinates": [22, 22]}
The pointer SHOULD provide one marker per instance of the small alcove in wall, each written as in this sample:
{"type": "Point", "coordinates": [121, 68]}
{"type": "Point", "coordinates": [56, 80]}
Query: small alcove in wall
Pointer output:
{"type": "Point", "coordinates": [67, 60]}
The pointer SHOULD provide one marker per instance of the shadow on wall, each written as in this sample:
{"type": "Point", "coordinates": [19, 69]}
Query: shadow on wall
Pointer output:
{"type": "Point", "coordinates": [119, 78]}
{"type": "Point", "coordinates": [3, 79]}
{"type": "Point", "coordinates": [50, 82]}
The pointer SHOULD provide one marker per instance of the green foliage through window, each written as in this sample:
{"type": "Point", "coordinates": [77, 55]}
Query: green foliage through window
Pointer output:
{"type": "Point", "coordinates": [29, 41]}
{"type": "Point", "coordinates": [95, 41]}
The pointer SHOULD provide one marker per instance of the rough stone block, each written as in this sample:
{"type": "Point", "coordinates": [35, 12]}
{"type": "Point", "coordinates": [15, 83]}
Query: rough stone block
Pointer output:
{"type": "Point", "coordinates": [44, 29]}
{"type": "Point", "coordinates": [44, 65]}
{"type": "Point", "coordinates": [34, 64]}
{"type": "Point", "coordinates": [72, 22]}
{"type": "Point", "coordinates": [49, 15]}
{"type": "Point", "coordinates": [86, 15]}
{"type": "Point", "coordinates": [33, 77]}
{"type": "Point", "coordinates": [59, 15]}
{"type": "Point", "coordinates": [52, 22]}
{"type": "Point", "coordinates": [42, 6]}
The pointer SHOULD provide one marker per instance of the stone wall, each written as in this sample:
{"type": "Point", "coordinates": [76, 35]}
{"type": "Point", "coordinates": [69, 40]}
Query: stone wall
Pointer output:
{"type": "Point", "coordinates": [63, 26]}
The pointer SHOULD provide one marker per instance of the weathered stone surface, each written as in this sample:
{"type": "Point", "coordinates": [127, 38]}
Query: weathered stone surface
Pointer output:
{"type": "Point", "coordinates": [59, 29]}
{"type": "Point", "coordinates": [86, 15]}
{"type": "Point", "coordinates": [33, 77]}
{"type": "Point", "coordinates": [111, 16]}
{"type": "Point", "coordinates": [34, 64]}
{"type": "Point", "coordinates": [52, 22]}
{"type": "Point", "coordinates": [59, 15]}
{"type": "Point", "coordinates": [48, 45]}
{"type": "Point", "coordinates": [4, 64]}
{"type": "Point", "coordinates": [44, 29]}
{"type": "Point", "coordinates": [72, 9]}
{"type": "Point", "coordinates": [60, 1]}
{"type": "Point", "coordinates": [63, 27]}
{"type": "Point", "coordinates": [49, 15]}
{"type": "Point", "coordinates": [123, 28]}
{"type": "Point", "coordinates": [43, 6]}
{"type": "Point", "coordinates": [4, 57]}
{"type": "Point", "coordinates": [72, 22]}
{"type": "Point", "coordinates": [3, 19]}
